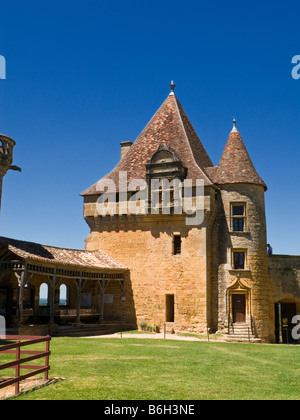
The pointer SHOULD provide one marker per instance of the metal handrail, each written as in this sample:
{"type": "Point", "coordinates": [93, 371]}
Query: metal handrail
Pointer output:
{"type": "Point", "coordinates": [230, 324]}
{"type": "Point", "coordinates": [253, 329]}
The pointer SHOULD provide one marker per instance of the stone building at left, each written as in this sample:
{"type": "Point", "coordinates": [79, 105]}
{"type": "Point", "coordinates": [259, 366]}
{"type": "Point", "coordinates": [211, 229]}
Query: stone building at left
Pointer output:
{"type": "Point", "coordinates": [44, 287]}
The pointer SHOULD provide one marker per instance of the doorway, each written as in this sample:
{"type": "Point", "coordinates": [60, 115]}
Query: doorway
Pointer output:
{"type": "Point", "coordinates": [170, 312]}
{"type": "Point", "coordinates": [239, 308]}
{"type": "Point", "coordinates": [284, 313]}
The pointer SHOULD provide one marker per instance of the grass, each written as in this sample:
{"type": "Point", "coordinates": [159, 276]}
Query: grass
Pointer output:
{"type": "Point", "coordinates": [138, 332]}
{"type": "Point", "coordinates": [145, 369]}
{"type": "Point", "coordinates": [201, 336]}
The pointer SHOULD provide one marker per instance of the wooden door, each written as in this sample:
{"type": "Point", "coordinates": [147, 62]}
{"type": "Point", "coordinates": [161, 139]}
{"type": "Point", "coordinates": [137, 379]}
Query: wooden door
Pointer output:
{"type": "Point", "coordinates": [239, 308]}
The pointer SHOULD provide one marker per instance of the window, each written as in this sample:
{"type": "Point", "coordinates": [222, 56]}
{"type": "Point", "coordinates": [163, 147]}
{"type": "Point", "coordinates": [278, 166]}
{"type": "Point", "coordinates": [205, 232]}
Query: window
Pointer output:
{"type": "Point", "coordinates": [238, 217]}
{"type": "Point", "coordinates": [170, 303]}
{"type": "Point", "coordinates": [239, 258]}
{"type": "Point", "coordinates": [43, 297]}
{"type": "Point", "coordinates": [176, 244]}
{"type": "Point", "coordinates": [163, 156]}
{"type": "Point", "coordinates": [63, 295]}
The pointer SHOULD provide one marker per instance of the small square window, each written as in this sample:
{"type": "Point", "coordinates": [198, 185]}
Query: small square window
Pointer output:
{"type": "Point", "coordinates": [239, 258]}
{"type": "Point", "coordinates": [238, 210]}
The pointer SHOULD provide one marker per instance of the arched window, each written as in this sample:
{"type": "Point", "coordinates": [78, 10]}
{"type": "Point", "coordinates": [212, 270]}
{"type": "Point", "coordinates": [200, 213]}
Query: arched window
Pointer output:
{"type": "Point", "coordinates": [43, 297]}
{"type": "Point", "coordinates": [163, 156]}
{"type": "Point", "coordinates": [63, 295]}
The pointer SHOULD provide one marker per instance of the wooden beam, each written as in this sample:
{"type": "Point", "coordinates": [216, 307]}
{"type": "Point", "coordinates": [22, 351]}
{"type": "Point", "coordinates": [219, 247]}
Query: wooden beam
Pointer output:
{"type": "Point", "coordinates": [79, 285]}
{"type": "Point", "coordinates": [122, 284]}
{"type": "Point", "coordinates": [52, 282]}
{"type": "Point", "coordinates": [103, 284]}
{"type": "Point", "coordinates": [23, 280]}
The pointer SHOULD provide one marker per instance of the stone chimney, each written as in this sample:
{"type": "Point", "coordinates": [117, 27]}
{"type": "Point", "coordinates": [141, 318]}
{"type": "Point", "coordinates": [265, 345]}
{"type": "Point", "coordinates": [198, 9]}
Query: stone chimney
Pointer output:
{"type": "Point", "coordinates": [125, 146]}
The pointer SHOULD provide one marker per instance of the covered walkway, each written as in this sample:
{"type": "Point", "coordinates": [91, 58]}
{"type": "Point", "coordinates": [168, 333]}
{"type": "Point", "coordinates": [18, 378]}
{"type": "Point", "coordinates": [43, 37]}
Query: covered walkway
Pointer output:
{"type": "Point", "coordinates": [95, 286]}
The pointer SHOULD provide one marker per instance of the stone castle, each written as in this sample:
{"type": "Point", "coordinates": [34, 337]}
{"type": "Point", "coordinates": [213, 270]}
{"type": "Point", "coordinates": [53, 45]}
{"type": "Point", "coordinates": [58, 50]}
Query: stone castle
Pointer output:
{"type": "Point", "coordinates": [155, 267]}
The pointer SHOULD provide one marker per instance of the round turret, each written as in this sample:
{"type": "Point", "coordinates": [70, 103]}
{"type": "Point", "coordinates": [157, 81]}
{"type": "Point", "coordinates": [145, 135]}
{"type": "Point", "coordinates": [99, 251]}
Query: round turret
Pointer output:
{"type": "Point", "coordinates": [243, 281]}
{"type": "Point", "coordinates": [6, 153]}
{"type": "Point", "coordinates": [6, 157]}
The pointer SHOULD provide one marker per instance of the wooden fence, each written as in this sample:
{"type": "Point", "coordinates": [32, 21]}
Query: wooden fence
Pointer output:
{"type": "Point", "coordinates": [16, 348]}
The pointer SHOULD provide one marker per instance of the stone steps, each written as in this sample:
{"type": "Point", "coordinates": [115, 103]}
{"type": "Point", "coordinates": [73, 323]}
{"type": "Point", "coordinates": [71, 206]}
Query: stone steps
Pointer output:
{"type": "Point", "coordinates": [242, 333]}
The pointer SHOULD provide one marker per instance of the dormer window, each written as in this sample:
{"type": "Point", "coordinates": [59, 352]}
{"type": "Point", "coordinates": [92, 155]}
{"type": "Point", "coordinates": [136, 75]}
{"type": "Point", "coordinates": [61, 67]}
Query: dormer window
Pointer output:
{"type": "Point", "coordinates": [163, 156]}
{"type": "Point", "coordinates": [165, 164]}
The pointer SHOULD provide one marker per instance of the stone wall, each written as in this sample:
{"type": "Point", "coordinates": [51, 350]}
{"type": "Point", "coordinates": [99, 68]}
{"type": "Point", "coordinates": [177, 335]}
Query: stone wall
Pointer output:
{"type": "Point", "coordinates": [144, 244]}
{"type": "Point", "coordinates": [284, 272]}
{"type": "Point", "coordinates": [202, 279]}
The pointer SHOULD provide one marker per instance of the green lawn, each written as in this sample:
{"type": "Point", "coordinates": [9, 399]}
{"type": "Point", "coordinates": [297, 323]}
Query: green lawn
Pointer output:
{"type": "Point", "coordinates": [138, 369]}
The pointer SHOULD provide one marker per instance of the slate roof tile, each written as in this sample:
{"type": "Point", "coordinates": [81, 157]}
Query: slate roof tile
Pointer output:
{"type": "Point", "coordinates": [169, 126]}
{"type": "Point", "coordinates": [51, 255]}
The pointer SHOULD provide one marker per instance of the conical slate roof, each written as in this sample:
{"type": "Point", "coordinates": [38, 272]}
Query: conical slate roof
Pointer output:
{"type": "Point", "coordinates": [236, 165]}
{"type": "Point", "coordinates": [169, 126]}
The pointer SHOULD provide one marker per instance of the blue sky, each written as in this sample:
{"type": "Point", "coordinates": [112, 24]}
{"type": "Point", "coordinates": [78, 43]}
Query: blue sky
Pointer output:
{"type": "Point", "coordinates": [82, 76]}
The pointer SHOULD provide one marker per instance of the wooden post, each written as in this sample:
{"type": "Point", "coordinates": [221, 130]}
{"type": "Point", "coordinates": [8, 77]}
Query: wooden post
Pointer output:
{"type": "Point", "coordinates": [103, 286]}
{"type": "Point", "coordinates": [23, 280]}
{"type": "Point", "coordinates": [21, 297]}
{"type": "Point", "coordinates": [17, 369]}
{"type": "Point", "coordinates": [47, 358]}
{"type": "Point", "coordinates": [51, 298]}
{"type": "Point", "coordinates": [102, 303]}
{"type": "Point", "coordinates": [79, 288]}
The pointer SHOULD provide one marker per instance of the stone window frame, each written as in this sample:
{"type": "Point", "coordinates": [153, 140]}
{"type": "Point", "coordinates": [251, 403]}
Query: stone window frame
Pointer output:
{"type": "Point", "coordinates": [245, 252]}
{"type": "Point", "coordinates": [170, 307]}
{"type": "Point", "coordinates": [174, 250]}
{"type": "Point", "coordinates": [232, 217]}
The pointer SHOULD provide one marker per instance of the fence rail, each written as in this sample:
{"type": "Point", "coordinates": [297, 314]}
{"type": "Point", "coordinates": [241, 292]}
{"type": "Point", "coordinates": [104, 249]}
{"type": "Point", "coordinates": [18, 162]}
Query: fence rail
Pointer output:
{"type": "Point", "coordinates": [18, 364]}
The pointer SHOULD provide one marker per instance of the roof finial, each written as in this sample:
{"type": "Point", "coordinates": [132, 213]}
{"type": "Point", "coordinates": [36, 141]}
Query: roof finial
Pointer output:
{"type": "Point", "coordinates": [172, 86]}
{"type": "Point", "coordinates": [234, 129]}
